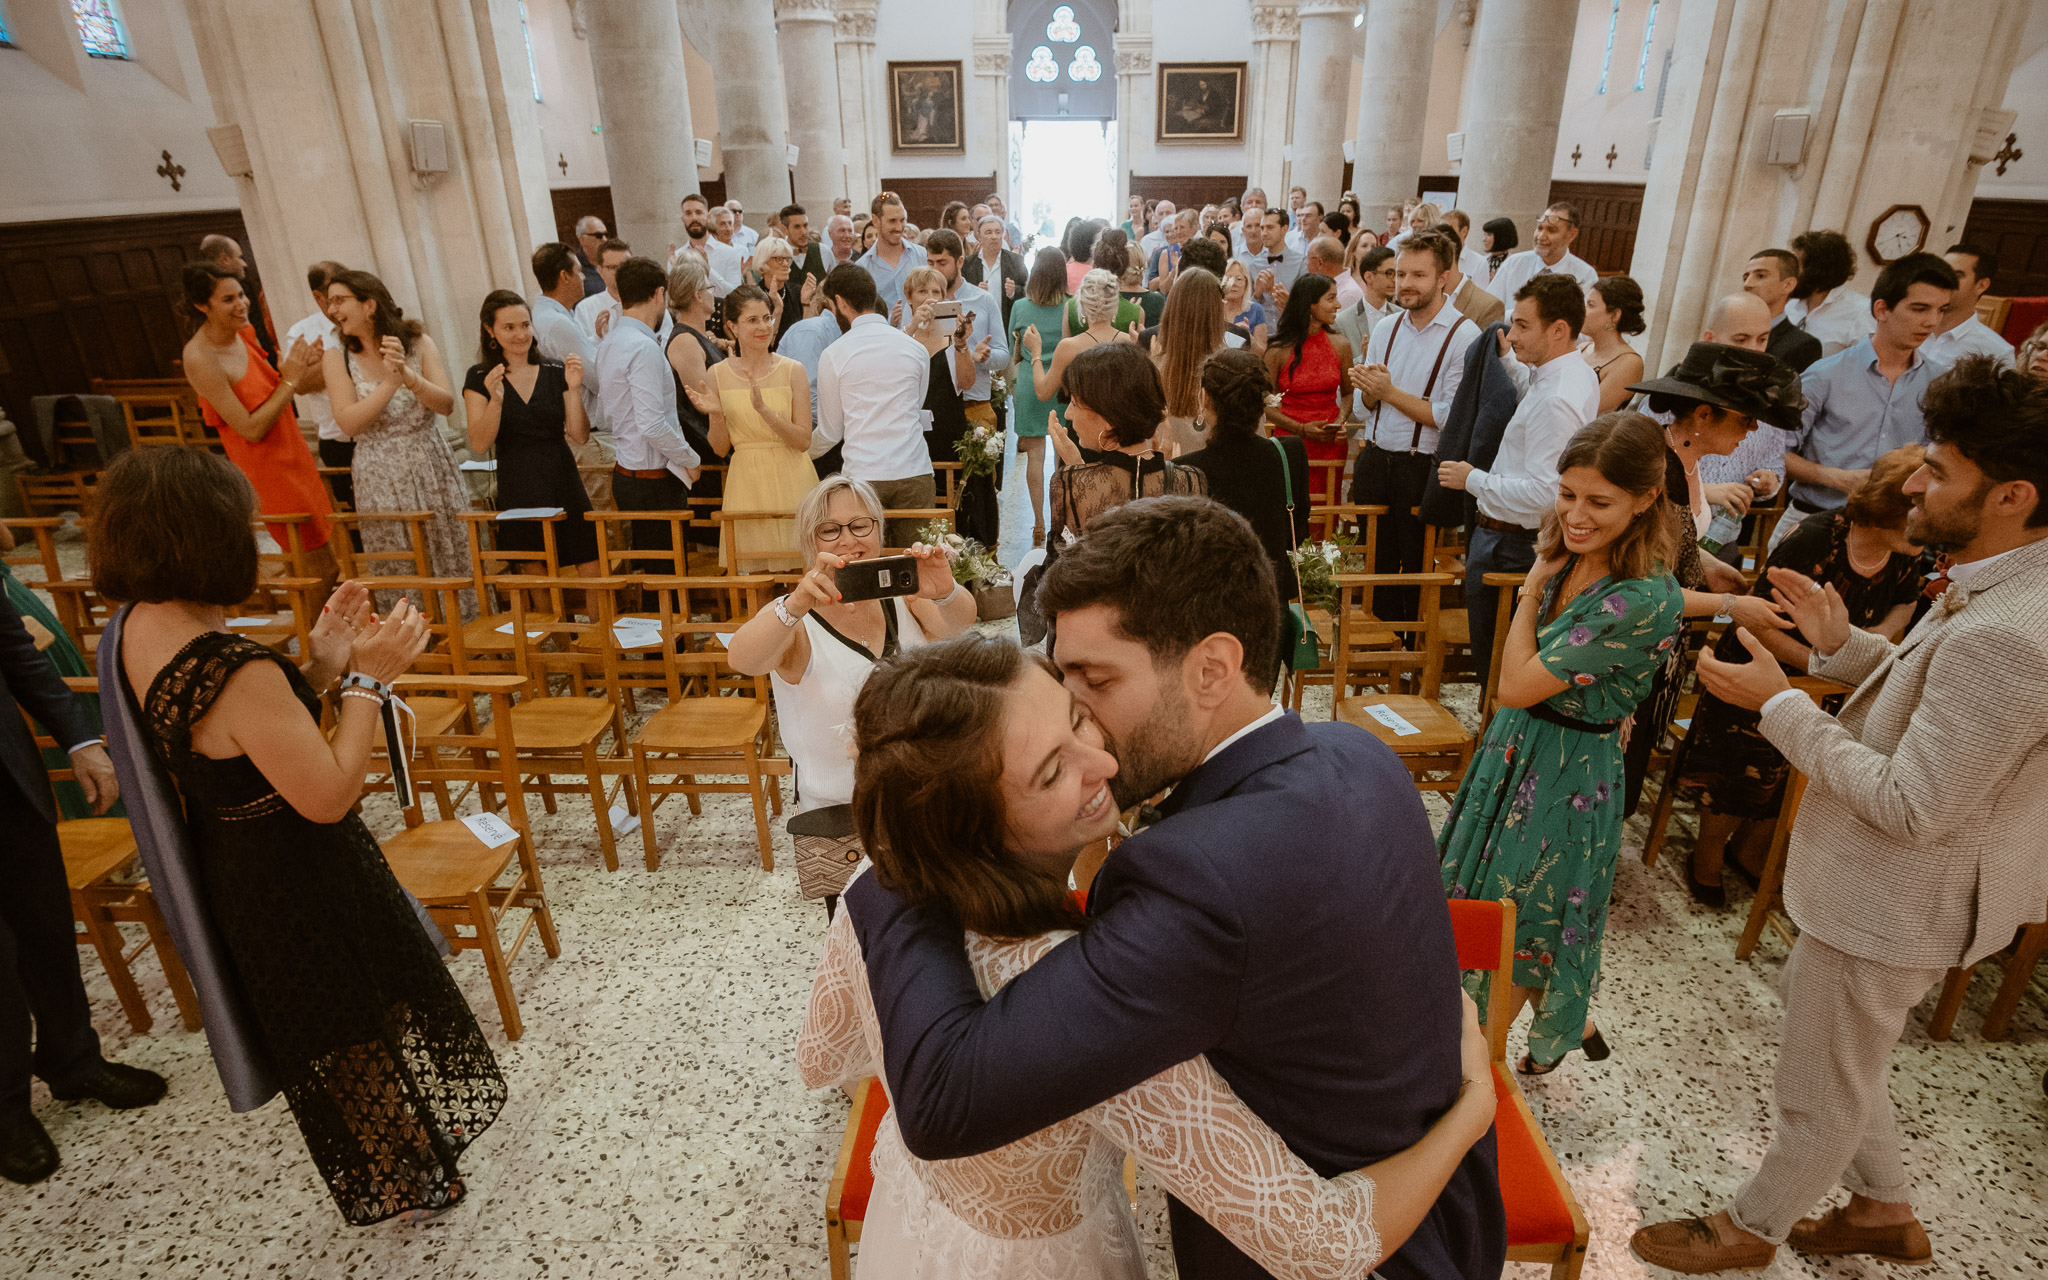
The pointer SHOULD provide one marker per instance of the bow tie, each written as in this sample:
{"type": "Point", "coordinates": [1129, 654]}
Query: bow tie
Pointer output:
{"type": "Point", "coordinates": [1275, 257]}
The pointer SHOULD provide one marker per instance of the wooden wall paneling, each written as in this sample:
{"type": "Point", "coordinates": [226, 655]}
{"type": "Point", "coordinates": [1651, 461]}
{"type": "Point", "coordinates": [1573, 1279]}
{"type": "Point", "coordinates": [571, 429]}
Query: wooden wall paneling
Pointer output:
{"type": "Point", "coordinates": [1608, 213]}
{"type": "Point", "coordinates": [924, 197]}
{"type": "Point", "coordinates": [572, 204]}
{"type": "Point", "coordinates": [1187, 189]}
{"type": "Point", "coordinates": [97, 298]}
{"type": "Point", "coordinates": [2017, 231]}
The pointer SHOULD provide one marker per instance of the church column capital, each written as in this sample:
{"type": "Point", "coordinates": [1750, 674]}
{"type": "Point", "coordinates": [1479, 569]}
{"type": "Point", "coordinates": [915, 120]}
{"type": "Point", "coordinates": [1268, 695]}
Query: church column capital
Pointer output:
{"type": "Point", "coordinates": [1328, 9]}
{"type": "Point", "coordinates": [1133, 55]}
{"type": "Point", "coordinates": [856, 21]}
{"type": "Point", "coordinates": [805, 11]}
{"type": "Point", "coordinates": [1276, 22]}
{"type": "Point", "coordinates": [992, 55]}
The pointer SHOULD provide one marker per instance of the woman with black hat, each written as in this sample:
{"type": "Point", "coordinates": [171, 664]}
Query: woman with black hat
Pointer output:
{"type": "Point", "coordinates": [1716, 397]}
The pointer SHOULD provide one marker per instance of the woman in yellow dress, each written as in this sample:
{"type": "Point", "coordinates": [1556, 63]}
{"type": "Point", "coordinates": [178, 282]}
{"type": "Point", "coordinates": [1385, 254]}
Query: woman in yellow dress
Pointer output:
{"type": "Point", "coordinates": [759, 406]}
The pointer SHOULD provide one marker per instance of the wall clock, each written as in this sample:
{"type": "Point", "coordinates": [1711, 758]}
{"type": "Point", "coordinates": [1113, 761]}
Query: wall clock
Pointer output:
{"type": "Point", "coordinates": [1898, 231]}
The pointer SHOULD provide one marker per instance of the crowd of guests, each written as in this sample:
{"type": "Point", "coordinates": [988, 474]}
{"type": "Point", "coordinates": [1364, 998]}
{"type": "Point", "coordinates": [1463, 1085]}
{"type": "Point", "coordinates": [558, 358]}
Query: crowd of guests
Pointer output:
{"type": "Point", "coordinates": [1187, 366]}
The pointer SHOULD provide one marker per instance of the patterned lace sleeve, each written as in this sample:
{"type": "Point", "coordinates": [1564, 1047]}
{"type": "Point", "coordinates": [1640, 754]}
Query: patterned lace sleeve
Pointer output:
{"type": "Point", "coordinates": [1225, 1163]}
{"type": "Point", "coordinates": [832, 1048]}
{"type": "Point", "coordinates": [189, 684]}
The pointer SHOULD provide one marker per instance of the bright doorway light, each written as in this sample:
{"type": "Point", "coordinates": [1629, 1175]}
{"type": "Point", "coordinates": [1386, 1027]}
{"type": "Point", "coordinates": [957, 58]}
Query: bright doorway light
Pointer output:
{"type": "Point", "coordinates": [1067, 170]}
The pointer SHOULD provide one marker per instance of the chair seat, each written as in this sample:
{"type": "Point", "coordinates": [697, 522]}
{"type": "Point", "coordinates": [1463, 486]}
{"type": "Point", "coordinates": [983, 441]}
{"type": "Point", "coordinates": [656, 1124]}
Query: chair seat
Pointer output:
{"type": "Point", "coordinates": [559, 724]}
{"type": "Point", "coordinates": [860, 1172]}
{"type": "Point", "coordinates": [436, 715]}
{"type": "Point", "coordinates": [483, 636]}
{"type": "Point", "coordinates": [1440, 729]}
{"type": "Point", "coordinates": [1536, 1210]}
{"type": "Point", "coordinates": [591, 640]}
{"type": "Point", "coordinates": [94, 848]}
{"type": "Point", "coordinates": [438, 861]}
{"type": "Point", "coordinates": [704, 724]}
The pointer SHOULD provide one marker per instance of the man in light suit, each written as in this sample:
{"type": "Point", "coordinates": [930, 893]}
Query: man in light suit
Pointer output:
{"type": "Point", "coordinates": [1922, 841]}
{"type": "Point", "coordinates": [42, 997]}
{"type": "Point", "coordinates": [1284, 915]}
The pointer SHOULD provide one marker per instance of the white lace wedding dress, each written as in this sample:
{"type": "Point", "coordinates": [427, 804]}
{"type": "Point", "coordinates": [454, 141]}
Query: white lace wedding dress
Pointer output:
{"type": "Point", "coordinates": [1052, 1206]}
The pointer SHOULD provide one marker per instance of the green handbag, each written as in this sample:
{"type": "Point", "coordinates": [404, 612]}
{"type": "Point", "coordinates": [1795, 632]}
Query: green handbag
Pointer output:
{"type": "Point", "coordinates": [1304, 650]}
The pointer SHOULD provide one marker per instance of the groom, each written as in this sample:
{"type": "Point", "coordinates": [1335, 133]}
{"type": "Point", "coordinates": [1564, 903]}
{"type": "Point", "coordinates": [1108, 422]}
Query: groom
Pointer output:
{"type": "Point", "coordinates": [1285, 915]}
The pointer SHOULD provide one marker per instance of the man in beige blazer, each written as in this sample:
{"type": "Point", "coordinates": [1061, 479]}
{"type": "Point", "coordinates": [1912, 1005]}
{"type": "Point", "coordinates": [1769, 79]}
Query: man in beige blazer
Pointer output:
{"type": "Point", "coordinates": [1922, 841]}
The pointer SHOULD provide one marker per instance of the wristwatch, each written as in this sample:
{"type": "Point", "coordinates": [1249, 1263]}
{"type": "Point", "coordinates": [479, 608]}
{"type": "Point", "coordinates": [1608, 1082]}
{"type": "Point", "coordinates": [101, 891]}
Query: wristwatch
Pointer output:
{"type": "Point", "coordinates": [782, 612]}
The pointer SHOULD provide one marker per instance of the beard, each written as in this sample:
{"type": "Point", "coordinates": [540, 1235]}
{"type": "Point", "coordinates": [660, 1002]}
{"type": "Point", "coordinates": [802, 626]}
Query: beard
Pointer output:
{"type": "Point", "coordinates": [1156, 754]}
{"type": "Point", "coordinates": [1957, 527]}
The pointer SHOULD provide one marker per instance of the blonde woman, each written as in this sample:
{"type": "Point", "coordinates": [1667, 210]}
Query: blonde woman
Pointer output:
{"type": "Point", "coordinates": [1097, 301]}
{"type": "Point", "coordinates": [1240, 308]}
{"type": "Point", "coordinates": [773, 262]}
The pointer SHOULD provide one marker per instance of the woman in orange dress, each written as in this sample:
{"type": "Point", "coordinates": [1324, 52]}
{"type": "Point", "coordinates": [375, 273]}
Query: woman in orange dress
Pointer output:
{"type": "Point", "coordinates": [250, 405]}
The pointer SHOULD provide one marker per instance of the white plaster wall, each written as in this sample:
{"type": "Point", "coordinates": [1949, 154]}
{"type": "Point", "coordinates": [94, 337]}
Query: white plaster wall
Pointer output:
{"type": "Point", "coordinates": [84, 136]}
{"type": "Point", "coordinates": [919, 31]}
{"type": "Point", "coordinates": [568, 107]}
{"type": "Point", "coordinates": [1620, 118]}
{"type": "Point", "coordinates": [2027, 178]}
{"type": "Point", "coordinates": [1196, 31]}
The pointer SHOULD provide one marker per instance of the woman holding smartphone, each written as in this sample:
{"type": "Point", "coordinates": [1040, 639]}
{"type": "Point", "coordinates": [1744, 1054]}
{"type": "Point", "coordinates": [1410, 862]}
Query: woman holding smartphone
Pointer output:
{"type": "Point", "coordinates": [818, 648]}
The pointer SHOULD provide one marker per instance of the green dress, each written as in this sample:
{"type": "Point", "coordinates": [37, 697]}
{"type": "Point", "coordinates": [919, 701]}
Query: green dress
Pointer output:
{"type": "Point", "coordinates": [1029, 411]}
{"type": "Point", "coordinates": [64, 656]}
{"type": "Point", "coordinates": [1538, 819]}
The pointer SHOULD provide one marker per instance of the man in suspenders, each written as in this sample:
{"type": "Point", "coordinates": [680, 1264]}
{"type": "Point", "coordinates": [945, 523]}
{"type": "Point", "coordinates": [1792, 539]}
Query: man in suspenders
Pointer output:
{"type": "Point", "coordinates": [1405, 386]}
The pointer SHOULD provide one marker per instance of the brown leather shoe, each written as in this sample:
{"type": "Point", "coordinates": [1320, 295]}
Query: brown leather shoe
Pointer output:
{"type": "Point", "coordinates": [1832, 1234]}
{"type": "Point", "coordinates": [1691, 1248]}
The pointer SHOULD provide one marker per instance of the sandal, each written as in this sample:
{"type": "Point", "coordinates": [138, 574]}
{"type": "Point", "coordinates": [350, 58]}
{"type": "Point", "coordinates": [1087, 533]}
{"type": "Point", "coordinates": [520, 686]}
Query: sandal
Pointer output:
{"type": "Point", "coordinates": [1595, 1046]}
{"type": "Point", "coordinates": [1528, 1066]}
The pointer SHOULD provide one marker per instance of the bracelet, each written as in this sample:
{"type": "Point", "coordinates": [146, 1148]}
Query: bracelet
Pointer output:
{"type": "Point", "coordinates": [947, 599]}
{"type": "Point", "coordinates": [364, 694]}
{"type": "Point", "coordinates": [1728, 603]}
{"type": "Point", "coordinates": [289, 383]}
{"type": "Point", "coordinates": [782, 612]}
{"type": "Point", "coordinates": [369, 684]}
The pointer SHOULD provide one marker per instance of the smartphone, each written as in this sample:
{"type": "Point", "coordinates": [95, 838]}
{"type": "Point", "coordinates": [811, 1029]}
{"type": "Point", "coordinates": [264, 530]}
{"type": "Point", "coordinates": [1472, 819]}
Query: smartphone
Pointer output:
{"type": "Point", "coordinates": [877, 579]}
{"type": "Point", "coordinates": [946, 317]}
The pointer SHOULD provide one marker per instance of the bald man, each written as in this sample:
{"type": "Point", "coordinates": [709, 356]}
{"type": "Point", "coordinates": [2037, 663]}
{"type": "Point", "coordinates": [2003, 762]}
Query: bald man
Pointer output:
{"type": "Point", "coordinates": [1739, 320]}
{"type": "Point", "coordinates": [225, 252]}
{"type": "Point", "coordinates": [590, 233]}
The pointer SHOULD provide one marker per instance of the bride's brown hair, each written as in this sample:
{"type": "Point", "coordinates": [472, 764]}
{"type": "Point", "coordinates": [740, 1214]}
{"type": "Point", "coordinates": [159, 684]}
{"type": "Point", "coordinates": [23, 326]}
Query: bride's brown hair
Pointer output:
{"type": "Point", "coordinates": [928, 794]}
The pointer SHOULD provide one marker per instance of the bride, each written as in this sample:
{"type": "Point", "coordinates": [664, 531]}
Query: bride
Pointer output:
{"type": "Point", "coordinates": [991, 835]}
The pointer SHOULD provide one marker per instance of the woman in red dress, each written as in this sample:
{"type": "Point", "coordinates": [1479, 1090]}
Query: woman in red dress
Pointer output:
{"type": "Point", "coordinates": [1308, 369]}
{"type": "Point", "coordinates": [250, 405]}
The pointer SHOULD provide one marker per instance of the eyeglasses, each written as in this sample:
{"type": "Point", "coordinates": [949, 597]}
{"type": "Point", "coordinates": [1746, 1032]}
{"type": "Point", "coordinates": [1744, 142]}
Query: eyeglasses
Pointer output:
{"type": "Point", "coordinates": [860, 528]}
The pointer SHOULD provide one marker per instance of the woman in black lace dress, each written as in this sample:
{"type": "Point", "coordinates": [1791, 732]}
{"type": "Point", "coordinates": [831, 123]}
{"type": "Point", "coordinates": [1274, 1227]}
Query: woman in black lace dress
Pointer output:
{"type": "Point", "coordinates": [378, 1055]}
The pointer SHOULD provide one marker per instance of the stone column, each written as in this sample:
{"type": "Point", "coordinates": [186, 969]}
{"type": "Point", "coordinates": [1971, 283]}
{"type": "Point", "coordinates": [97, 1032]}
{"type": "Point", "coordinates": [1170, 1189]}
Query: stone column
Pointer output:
{"type": "Point", "coordinates": [860, 101]}
{"type": "Point", "coordinates": [1276, 36]}
{"type": "Point", "coordinates": [1400, 36]}
{"type": "Point", "coordinates": [1322, 106]}
{"type": "Point", "coordinates": [753, 123]}
{"type": "Point", "coordinates": [988, 113]}
{"type": "Point", "coordinates": [810, 80]}
{"type": "Point", "coordinates": [1521, 53]}
{"type": "Point", "coordinates": [643, 102]}
{"type": "Point", "coordinates": [1137, 108]}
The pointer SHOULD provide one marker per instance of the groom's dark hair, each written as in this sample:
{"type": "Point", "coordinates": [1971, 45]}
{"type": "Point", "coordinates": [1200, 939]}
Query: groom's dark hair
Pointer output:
{"type": "Point", "coordinates": [1176, 570]}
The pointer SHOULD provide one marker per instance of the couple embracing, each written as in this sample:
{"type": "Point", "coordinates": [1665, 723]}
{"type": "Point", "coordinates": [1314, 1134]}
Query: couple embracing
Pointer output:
{"type": "Point", "coordinates": [1260, 1002]}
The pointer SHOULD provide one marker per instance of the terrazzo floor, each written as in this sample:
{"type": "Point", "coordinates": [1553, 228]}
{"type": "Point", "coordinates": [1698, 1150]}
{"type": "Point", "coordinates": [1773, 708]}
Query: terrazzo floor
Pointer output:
{"type": "Point", "coordinates": [657, 1126]}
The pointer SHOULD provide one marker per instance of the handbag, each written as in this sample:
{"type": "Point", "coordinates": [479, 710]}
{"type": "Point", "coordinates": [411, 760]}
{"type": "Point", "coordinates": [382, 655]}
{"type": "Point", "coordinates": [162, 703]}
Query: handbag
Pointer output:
{"type": "Point", "coordinates": [1304, 650]}
{"type": "Point", "coordinates": [827, 849]}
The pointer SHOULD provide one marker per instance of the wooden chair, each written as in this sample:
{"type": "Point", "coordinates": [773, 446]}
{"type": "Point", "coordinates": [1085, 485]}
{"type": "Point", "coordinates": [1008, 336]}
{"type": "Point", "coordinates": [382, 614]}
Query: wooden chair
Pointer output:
{"type": "Point", "coordinates": [437, 715]}
{"type": "Point", "coordinates": [950, 484]}
{"type": "Point", "coordinates": [154, 418]}
{"type": "Point", "coordinates": [716, 721]}
{"type": "Point", "coordinates": [55, 492]}
{"type": "Point", "coordinates": [1544, 1220]}
{"type": "Point", "coordinates": [2019, 960]}
{"type": "Point", "coordinates": [922, 515]}
{"type": "Point", "coordinates": [616, 555]}
{"type": "Point", "coordinates": [554, 734]}
{"type": "Point", "coordinates": [410, 560]}
{"type": "Point", "coordinates": [1434, 744]}
{"type": "Point", "coordinates": [332, 478]}
{"type": "Point", "coordinates": [459, 879]}
{"type": "Point", "coordinates": [490, 564]}
{"type": "Point", "coordinates": [1503, 618]}
{"type": "Point", "coordinates": [1770, 886]}
{"type": "Point", "coordinates": [42, 532]}
{"type": "Point", "coordinates": [729, 525]}
{"type": "Point", "coordinates": [96, 853]}
{"type": "Point", "coordinates": [853, 1177]}
{"type": "Point", "coordinates": [1362, 523]}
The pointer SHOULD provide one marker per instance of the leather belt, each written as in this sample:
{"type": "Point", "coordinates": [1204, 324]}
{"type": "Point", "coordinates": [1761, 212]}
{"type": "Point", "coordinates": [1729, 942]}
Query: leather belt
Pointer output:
{"type": "Point", "coordinates": [1502, 526]}
{"type": "Point", "coordinates": [1399, 453]}
{"type": "Point", "coordinates": [1804, 507]}
{"type": "Point", "coordinates": [640, 475]}
{"type": "Point", "coordinates": [1543, 711]}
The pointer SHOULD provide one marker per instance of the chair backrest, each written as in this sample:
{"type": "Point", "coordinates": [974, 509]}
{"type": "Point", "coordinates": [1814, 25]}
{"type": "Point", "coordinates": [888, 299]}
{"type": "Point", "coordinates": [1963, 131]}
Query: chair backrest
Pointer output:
{"type": "Point", "coordinates": [42, 530]}
{"type": "Point", "coordinates": [1360, 522]}
{"type": "Point", "coordinates": [544, 641]}
{"type": "Point", "coordinates": [486, 758]}
{"type": "Point", "coordinates": [1505, 585]}
{"type": "Point", "coordinates": [56, 491]}
{"type": "Point", "coordinates": [334, 478]}
{"type": "Point", "coordinates": [488, 561]}
{"type": "Point", "coordinates": [441, 607]}
{"type": "Point", "coordinates": [617, 556]}
{"type": "Point", "coordinates": [697, 612]}
{"type": "Point", "coordinates": [44, 742]}
{"type": "Point", "coordinates": [411, 560]}
{"type": "Point", "coordinates": [730, 523]}
{"type": "Point", "coordinates": [153, 418]}
{"type": "Point", "coordinates": [921, 515]}
{"type": "Point", "coordinates": [948, 478]}
{"type": "Point", "coordinates": [1325, 482]}
{"type": "Point", "coordinates": [291, 557]}
{"type": "Point", "coordinates": [1485, 937]}
{"type": "Point", "coordinates": [1366, 648]}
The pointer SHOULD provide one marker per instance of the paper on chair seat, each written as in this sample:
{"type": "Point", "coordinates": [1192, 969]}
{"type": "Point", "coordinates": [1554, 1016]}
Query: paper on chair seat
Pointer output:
{"type": "Point", "coordinates": [491, 829]}
{"type": "Point", "coordinates": [1392, 719]}
{"type": "Point", "coordinates": [505, 629]}
{"type": "Point", "coordinates": [637, 633]}
{"type": "Point", "coordinates": [253, 622]}
{"type": "Point", "coordinates": [478, 464]}
{"type": "Point", "coordinates": [530, 513]}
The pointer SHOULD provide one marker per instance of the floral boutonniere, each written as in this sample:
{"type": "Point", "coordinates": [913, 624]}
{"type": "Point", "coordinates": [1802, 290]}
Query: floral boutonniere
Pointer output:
{"type": "Point", "coordinates": [1953, 599]}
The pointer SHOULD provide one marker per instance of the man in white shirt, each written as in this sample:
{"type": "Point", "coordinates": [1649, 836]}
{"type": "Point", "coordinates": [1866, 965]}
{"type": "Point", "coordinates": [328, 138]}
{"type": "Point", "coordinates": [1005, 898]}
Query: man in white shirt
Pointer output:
{"type": "Point", "coordinates": [725, 263]}
{"type": "Point", "coordinates": [1556, 231]}
{"type": "Point", "coordinates": [557, 336]}
{"type": "Point", "coordinates": [1308, 227]}
{"type": "Point", "coordinates": [1823, 304]}
{"type": "Point", "coordinates": [743, 237]}
{"type": "Point", "coordinates": [871, 388]}
{"type": "Point", "coordinates": [1961, 332]}
{"type": "Point", "coordinates": [1406, 383]}
{"type": "Point", "coordinates": [1471, 262]}
{"type": "Point", "coordinates": [839, 241]}
{"type": "Point", "coordinates": [1253, 203]}
{"type": "Point", "coordinates": [892, 258]}
{"type": "Point", "coordinates": [1156, 239]}
{"type": "Point", "coordinates": [600, 311]}
{"type": "Point", "coordinates": [985, 337]}
{"type": "Point", "coordinates": [1560, 393]}
{"type": "Point", "coordinates": [654, 465]}
{"type": "Point", "coordinates": [1326, 258]}
{"type": "Point", "coordinates": [1013, 234]}
{"type": "Point", "coordinates": [311, 405]}
{"type": "Point", "coordinates": [1282, 262]}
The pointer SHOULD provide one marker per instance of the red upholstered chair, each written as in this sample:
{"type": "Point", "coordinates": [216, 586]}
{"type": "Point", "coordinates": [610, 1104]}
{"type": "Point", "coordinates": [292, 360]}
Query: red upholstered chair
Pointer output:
{"type": "Point", "coordinates": [853, 1178]}
{"type": "Point", "coordinates": [1545, 1223]}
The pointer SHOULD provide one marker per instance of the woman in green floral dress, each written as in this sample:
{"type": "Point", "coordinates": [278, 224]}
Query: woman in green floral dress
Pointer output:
{"type": "Point", "coordinates": [1538, 819]}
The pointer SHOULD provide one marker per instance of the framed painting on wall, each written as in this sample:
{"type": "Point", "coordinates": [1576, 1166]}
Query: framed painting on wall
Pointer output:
{"type": "Point", "coordinates": [1201, 102]}
{"type": "Point", "coordinates": [924, 109]}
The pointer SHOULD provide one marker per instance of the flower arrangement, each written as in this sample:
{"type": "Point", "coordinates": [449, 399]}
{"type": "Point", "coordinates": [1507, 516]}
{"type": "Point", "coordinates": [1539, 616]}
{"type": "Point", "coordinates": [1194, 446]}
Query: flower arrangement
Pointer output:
{"type": "Point", "coordinates": [972, 562]}
{"type": "Point", "coordinates": [1318, 563]}
{"type": "Point", "coordinates": [979, 451]}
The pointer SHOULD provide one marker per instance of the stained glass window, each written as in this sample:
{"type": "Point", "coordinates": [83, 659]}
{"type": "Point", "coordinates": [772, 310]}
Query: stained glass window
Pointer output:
{"type": "Point", "coordinates": [6, 36]}
{"type": "Point", "coordinates": [99, 27]}
{"type": "Point", "coordinates": [1607, 58]}
{"type": "Point", "coordinates": [1042, 69]}
{"type": "Point", "coordinates": [1084, 68]}
{"type": "Point", "coordinates": [526, 34]}
{"type": "Point", "coordinates": [1649, 32]}
{"type": "Point", "coordinates": [1063, 29]}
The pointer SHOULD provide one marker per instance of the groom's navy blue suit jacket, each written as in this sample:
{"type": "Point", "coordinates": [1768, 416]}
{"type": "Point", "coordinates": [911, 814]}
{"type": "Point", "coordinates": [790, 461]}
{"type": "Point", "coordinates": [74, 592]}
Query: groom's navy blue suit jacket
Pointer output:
{"type": "Point", "coordinates": [1287, 918]}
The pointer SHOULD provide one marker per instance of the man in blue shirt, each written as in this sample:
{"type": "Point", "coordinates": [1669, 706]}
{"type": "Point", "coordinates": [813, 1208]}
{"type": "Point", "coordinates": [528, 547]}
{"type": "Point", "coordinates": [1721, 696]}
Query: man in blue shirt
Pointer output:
{"type": "Point", "coordinates": [989, 343]}
{"type": "Point", "coordinates": [1864, 400]}
{"type": "Point", "coordinates": [893, 257]}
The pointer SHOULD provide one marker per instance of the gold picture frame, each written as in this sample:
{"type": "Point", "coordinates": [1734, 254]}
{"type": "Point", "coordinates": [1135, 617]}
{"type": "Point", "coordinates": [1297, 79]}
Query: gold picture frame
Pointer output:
{"type": "Point", "coordinates": [925, 115]}
{"type": "Point", "coordinates": [1201, 103]}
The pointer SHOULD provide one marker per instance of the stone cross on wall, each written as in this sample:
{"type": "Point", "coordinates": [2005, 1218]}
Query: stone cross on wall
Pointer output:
{"type": "Point", "coordinates": [173, 170]}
